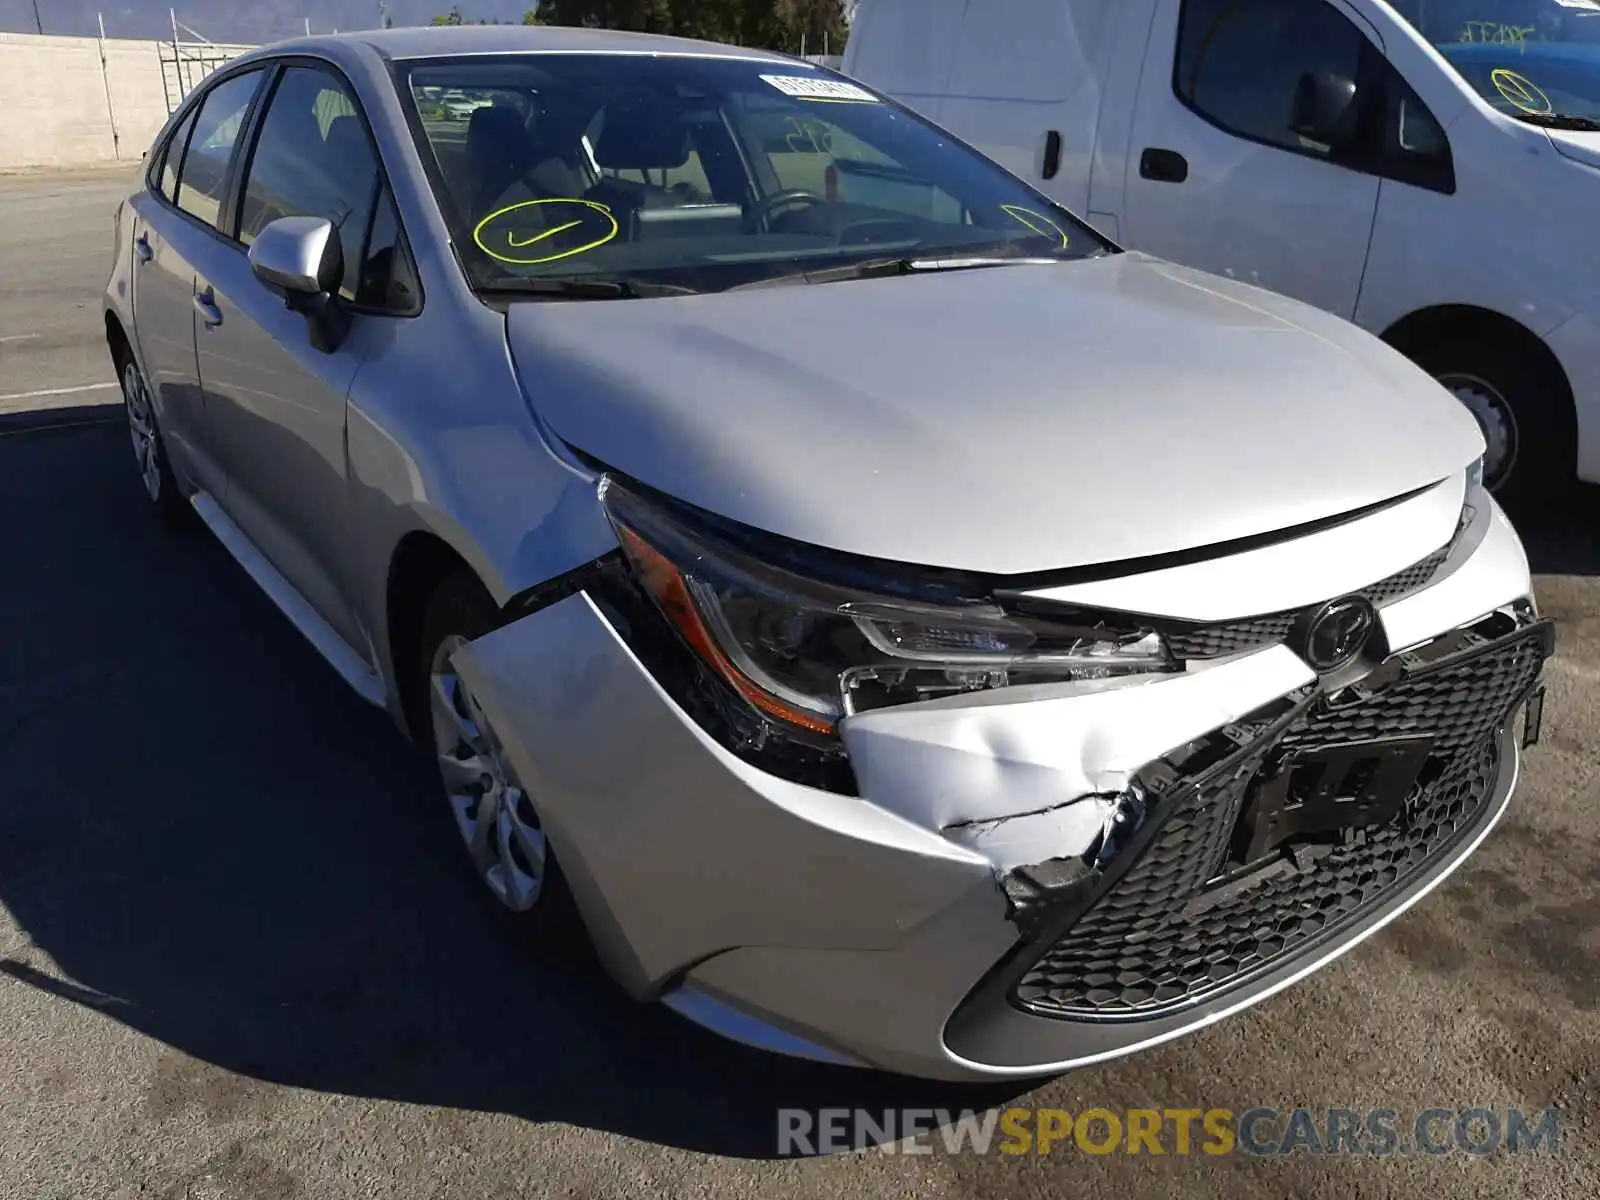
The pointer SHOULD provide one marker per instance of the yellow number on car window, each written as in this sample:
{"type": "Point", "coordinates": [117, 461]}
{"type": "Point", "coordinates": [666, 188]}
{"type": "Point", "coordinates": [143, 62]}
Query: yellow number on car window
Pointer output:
{"type": "Point", "coordinates": [496, 235]}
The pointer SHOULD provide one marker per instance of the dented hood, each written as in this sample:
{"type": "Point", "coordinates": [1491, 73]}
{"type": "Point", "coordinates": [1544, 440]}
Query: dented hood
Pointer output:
{"type": "Point", "coordinates": [1004, 420]}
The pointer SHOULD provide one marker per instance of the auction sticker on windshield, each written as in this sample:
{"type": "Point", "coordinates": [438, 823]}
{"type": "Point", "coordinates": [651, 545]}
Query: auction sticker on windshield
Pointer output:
{"type": "Point", "coordinates": [803, 87]}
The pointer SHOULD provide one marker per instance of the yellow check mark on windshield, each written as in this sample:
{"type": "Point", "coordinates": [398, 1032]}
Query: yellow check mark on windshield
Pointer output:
{"type": "Point", "coordinates": [515, 244]}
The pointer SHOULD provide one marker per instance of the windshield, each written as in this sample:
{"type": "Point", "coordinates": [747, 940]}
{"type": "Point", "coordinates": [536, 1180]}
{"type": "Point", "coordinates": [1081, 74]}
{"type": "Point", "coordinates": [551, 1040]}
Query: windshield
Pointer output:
{"type": "Point", "coordinates": [700, 174]}
{"type": "Point", "coordinates": [1528, 58]}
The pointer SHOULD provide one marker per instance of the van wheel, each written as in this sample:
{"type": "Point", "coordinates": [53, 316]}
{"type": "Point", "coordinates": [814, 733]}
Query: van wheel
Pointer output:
{"type": "Point", "coordinates": [1525, 413]}
{"type": "Point", "coordinates": [492, 811]}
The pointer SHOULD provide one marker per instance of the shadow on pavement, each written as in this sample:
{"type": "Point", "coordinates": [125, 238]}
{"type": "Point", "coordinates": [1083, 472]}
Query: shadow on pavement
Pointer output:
{"type": "Point", "coordinates": [1564, 537]}
{"type": "Point", "coordinates": [217, 844]}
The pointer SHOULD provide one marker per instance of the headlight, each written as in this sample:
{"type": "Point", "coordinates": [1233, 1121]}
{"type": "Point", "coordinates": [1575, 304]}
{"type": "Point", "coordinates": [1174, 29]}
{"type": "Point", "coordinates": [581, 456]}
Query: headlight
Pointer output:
{"type": "Point", "coordinates": [807, 651]}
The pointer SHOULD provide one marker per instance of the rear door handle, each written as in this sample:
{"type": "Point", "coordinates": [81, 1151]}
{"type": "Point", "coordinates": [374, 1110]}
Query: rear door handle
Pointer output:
{"type": "Point", "coordinates": [142, 247]}
{"type": "Point", "coordinates": [1052, 154]}
{"type": "Point", "coordinates": [1163, 166]}
{"type": "Point", "coordinates": [205, 303]}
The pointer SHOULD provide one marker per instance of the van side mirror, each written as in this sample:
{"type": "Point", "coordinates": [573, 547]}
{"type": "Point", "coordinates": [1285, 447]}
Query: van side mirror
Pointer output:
{"type": "Point", "coordinates": [1324, 109]}
{"type": "Point", "coordinates": [302, 260]}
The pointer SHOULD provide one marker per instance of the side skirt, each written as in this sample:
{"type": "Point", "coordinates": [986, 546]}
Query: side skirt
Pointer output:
{"type": "Point", "coordinates": [342, 657]}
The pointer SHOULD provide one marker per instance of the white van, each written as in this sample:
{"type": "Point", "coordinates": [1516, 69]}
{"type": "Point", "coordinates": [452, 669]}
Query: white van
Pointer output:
{"type": "Point", "coordinates": [1427, 168]}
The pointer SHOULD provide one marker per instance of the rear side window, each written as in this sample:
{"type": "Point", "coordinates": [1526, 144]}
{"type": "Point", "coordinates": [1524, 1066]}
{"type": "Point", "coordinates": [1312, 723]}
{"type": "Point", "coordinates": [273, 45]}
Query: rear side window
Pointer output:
{"type": "Point", "coordinates": [216, 129]}
{"type": "Point", "coordinates": [1239, 62]}
{"type": "Point", "coordinates": [313, 158]}
{"type": "Point", "coordinates": [172, 158]}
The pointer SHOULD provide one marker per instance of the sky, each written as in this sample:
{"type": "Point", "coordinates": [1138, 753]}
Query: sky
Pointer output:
{"type": "Point", "coordinates": [249, 21]}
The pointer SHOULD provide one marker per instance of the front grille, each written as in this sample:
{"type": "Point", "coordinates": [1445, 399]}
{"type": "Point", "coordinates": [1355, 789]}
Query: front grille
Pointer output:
{"type": "Point", "coordinates": [1191, 642]}
{"type": "Point", "coordinates": [1177, 928]}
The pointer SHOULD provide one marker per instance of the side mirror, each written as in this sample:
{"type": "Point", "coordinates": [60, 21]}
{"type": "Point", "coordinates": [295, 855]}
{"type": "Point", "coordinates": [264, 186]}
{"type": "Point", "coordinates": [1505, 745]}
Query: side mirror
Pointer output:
{"type": "Point", "coordinates": [302, 260]}
{"type": "Point", "coordinates": [1324, 109]}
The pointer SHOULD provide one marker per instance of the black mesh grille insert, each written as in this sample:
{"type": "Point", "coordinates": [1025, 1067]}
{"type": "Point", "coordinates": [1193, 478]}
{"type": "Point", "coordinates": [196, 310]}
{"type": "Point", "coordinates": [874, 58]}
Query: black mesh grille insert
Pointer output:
{"type": "Point", "coordinates": [1234, 637]}
{"type": "Point", "coordinates": [1157, 941]}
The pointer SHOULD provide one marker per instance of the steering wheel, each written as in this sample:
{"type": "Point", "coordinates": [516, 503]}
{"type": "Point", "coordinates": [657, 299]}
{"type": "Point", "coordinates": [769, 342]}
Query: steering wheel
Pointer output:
{"type": "Point", "coordinates": [761, 214]}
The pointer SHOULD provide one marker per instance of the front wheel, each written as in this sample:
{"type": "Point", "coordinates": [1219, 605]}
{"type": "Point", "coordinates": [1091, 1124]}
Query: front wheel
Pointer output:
{"type": "Point", "coordinates": [492, 809]}
{"type": "Point", "coordinates": [1524, 411]}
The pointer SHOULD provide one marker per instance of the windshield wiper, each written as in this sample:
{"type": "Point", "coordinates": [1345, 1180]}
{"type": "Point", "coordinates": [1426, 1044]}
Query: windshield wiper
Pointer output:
{"type": "Point", "coordinates": [878, 268]}
{"type": "Point", "coordinates": [1559, 121]}
{"type": "Point", "coordinates": [583, 289]}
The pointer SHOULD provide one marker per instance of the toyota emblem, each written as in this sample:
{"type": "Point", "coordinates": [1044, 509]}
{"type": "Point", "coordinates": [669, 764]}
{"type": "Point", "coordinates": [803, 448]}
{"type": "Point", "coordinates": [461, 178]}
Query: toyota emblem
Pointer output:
{"type": "Point", "coordinates": [1338, 631]}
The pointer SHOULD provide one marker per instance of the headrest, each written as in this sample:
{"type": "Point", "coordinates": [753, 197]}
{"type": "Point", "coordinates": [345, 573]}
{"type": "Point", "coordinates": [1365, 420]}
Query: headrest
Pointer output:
{"type": "Point", "coordinates": [496, 131]}
{"type": "Point", "coordinates": [346, 138]}
{"type": "Point", "coordinates": [637, 138]}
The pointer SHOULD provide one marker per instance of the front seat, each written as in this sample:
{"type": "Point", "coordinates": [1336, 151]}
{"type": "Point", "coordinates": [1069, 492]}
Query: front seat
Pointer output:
{"type": "Point", "coordinates": [498, 150]}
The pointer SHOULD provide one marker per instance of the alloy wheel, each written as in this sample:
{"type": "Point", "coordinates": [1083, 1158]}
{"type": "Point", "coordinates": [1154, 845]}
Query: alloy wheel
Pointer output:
{"type": "Point", "coordinates": [491, 808]}
{"type": "Point", "coordinates": [142, 430]}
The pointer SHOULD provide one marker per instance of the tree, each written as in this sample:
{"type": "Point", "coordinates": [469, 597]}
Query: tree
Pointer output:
{"type": "Point", "coordinates": [530, 16]}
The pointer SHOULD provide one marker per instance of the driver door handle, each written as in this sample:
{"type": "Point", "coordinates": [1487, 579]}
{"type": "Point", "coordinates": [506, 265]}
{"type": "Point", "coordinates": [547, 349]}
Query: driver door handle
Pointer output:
{"type": "Point", "coordinates": [142, 247]}
{"type": "Point", "coordinates": [205, 303]}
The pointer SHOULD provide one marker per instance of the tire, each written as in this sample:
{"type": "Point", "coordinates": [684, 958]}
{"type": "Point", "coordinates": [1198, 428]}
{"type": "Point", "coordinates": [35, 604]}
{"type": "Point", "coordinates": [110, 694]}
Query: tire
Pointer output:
{"type": "Point", "coordinates": [149, 450]}
{"type": "Point", "coordinates": [499, 848]}
{"type": "Point", "coordinates": [1525, 409]}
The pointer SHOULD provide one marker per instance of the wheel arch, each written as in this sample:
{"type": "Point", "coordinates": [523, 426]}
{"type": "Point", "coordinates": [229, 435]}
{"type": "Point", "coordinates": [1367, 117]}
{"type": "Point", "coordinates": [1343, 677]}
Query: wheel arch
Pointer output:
{"type": "Point", "coordinates": [117, 339]}
{"type": "Point", "coordinates": [1413, 334]}
{"type": "Point", "coordinates": [1448, 322]}
{"type": "Point", "coordinates": [419, 563]}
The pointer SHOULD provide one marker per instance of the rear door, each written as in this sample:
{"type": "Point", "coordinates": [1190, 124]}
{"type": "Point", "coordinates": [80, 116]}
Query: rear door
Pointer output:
{"type": "Point", "coordinates": [1215, 177]}
{"type": "Point", "coordinates": [174, 228]}
{"type": "Point", "coordinates": [276, 404]}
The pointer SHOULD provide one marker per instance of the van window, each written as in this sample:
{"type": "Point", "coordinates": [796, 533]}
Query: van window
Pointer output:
{"type": "Point", "coordinates": [1239, 62]}
{"type": "Point", "coordinates": [1536, 60]}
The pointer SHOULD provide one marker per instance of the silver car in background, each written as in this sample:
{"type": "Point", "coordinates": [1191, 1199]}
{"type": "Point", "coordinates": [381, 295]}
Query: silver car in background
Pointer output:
{"type": "Point", "coordinates": [898, 626]}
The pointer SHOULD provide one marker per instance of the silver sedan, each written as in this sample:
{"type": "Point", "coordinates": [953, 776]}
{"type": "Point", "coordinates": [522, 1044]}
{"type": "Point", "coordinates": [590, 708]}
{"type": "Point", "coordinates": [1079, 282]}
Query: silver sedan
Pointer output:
{"type": "Point", "coordinates": [894, 624]}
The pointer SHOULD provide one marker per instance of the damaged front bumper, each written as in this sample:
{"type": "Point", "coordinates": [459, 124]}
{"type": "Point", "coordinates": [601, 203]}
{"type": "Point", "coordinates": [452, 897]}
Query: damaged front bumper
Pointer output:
{"type": "Point", "coordinates": [953, 919]}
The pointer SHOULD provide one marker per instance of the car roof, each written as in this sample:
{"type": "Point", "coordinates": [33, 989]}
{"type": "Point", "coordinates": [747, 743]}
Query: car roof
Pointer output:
{"type": "Point", "coordinates": [430, 41]}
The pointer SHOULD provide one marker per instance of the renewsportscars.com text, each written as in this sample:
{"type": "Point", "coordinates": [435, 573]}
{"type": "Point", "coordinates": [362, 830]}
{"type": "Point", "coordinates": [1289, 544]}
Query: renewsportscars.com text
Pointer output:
{"type": "Point", "coordinates": [1210, 1132]}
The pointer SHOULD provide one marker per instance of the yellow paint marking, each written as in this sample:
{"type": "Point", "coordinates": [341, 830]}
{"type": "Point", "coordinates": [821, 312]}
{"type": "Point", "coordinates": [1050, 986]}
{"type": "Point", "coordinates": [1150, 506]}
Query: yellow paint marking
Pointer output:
{"type": "Point", "coordinates": [589, 206]}
{"type": "Point", "coordinates": [511, 238]}
{"type": "Point", "coordinates": [1045, 226]}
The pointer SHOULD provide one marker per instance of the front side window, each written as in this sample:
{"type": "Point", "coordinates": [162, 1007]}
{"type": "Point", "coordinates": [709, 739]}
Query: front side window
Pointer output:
{"type": "Point", "coordinates": [1536, 60]}
{"type": "Point", "coordinates": [1240, 63]}
{"type": "Point", "coordinates": [313, 158]}
{"type": "Point", "coordinates": [216, 129]}
{"type": "Point", "coordinates": [704, 173]}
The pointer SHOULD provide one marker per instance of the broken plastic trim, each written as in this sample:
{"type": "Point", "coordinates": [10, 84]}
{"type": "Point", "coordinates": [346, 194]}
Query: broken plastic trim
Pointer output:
{"type": "Point", "coordinates": [1046, 900]}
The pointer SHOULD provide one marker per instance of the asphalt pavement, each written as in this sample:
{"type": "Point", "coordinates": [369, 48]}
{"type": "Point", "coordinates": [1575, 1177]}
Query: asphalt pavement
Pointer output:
{"type": "Point", "coordinates": [238, 958]}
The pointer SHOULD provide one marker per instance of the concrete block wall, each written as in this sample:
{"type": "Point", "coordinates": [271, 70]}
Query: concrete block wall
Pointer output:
{"type": "Point", "coordinates": [54, 105]}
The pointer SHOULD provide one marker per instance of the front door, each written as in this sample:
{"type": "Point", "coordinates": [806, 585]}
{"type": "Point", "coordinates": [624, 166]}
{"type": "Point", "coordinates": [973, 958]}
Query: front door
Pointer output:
{"type": "Point", "coordinates": [1217, 180]}
{"type": "Point", "coordinates": [276, 404]}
